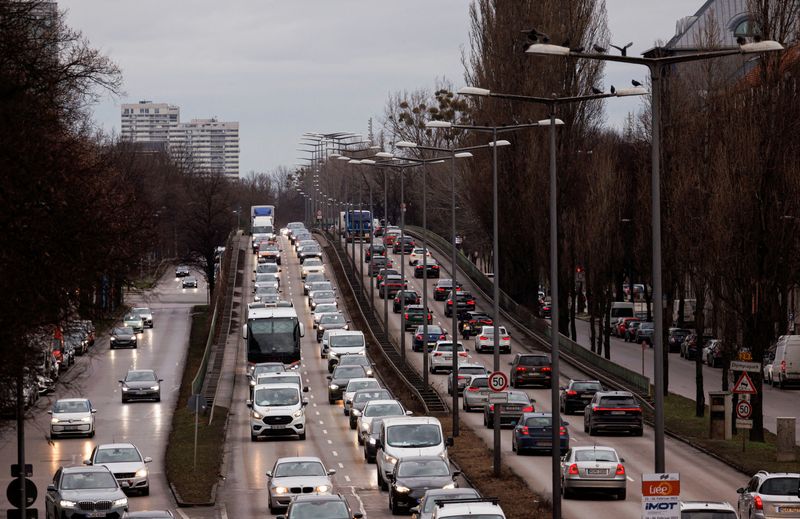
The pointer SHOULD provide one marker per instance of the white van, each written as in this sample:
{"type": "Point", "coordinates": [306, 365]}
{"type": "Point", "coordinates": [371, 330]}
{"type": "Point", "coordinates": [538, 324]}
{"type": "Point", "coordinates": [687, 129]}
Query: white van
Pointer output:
{"type": "Point", "coordinates": [408, 436]}
{"type": "Point", "coordinates": [277, 410]}
{"type": "Point", "coordinates": [620, 309]}
{"type": "Point", "coordinates": [786, 366]}
{"type": "Point", "coordinates": [343, 342]}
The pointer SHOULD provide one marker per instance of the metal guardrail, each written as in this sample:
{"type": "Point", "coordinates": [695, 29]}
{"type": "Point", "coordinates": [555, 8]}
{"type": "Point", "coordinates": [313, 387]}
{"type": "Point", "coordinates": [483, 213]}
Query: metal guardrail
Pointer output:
{"type": "Point", "coordinates": [535, 328]}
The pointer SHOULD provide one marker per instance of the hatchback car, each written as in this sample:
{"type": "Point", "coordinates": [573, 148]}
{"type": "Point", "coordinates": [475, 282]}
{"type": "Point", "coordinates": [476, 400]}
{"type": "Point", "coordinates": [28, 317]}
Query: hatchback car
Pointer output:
{"type": "Point", "coordinates": [427, 504]}
{"type": "Point", "coordinates": [189, 282]}
{"type": "Point", "coordinates": [575, 396]}
{"type": "Point", "coordinates": [127, 464]}
{"type": "Point", "coordinates": [318, 297]}
{"type": "Point", "coordinates": [331, 322]}
{"type": "Point", "coordinates": [403, 245]}
{"type": "Point", "coordinates": [518, 403]}
{"type": "Point", "coordinates": [339, 379]}
{"type": "Point", "coordinates": [534, 433]}
{"type": "Point", "coordinates": [707, 510]}
{"type": "Point", "coordinates": [134, 321]}
{"type": "Point", "coordinates": [416, 315]}
{"type": "Point", "coordinates": [435, 333]}
{"type": "Point", "coordinates": [319, 507]}
{"type": "Point", "coordinates": [79, 492]}
{"type": "Point", "coordinates": [465, 372]}
{"type": "Point", "coordinates": [531, 368]}
{"type": "Point", "coordinates": [476, 393]}
{"type": "Point", "coordinates": [354, 385]}
{"type": "Point", "coordinates": [441, 356]}
{"type": "Point", "coordinates": [430, 265]}
{"type": "Point", "coordinates": [465, 301]}
{"type": "Point", "coordinates": [770, 494]}
{"type": "Point", "coordinates": [613, 411]}
{"type": "Point", "coordinates": [291, 477]}
{"type": "Point", "coordinates": [72, 416]}
{"type": "Point", "coordinates": [377, 409]}
{"type": "Point", "coordinates": [593, 468]}
{"type": "Point", "coordinates": [312, 278]}
{"type": "Point", "coordinates": [141, 384]}
{"type": "Point", "coordinates": [416, 255]}
{"type": "Point", "coordinates": [122, 337]}
{"type": "Point", "coordinates": [413, 476]}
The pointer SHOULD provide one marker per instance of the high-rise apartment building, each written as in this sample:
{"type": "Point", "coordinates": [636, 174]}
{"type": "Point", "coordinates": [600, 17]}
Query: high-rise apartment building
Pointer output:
{"type": "Point", "coordinates": [207, 144]}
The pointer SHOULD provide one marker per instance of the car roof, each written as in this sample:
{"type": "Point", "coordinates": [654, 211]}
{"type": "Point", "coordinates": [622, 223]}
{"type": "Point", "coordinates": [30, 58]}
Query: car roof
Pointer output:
{"type": "Point", "coordinates": [707, 505]}
{"type": "Point", "coordinates": [585, 380]}
{"type": "Point", "coordinates": [297, 459]}
{"type": "Point", "coordinates": [471, 365]}
{"type": "Point", "coordinates": [141, 371]}
{"type": "Point", "coordinates": [593, 447]}
{"type": "Point", "coordinates": [116, 446]}
{"type": "Point", "coordinates": [363, 379]}
{"type": "Point", "coordinates": [260, 313]}
{"type": "Point", "coordinates": [283, 385]}
{"type": "Point", "coordinates": [85, 468]}
{"type": "Point", "coordinates": [72, 400]}
{"type": "Point", "coordinates": [456, 509]}
{"type": "Point", "coordinates": [149, 514]}
{"type": "Point", "coordinates": [347, 332]}
{"type": "Point", "coordinates": [319, 497]}
{"type": "Point", "coordinates": [384, 401]}
{"type": "Point", "coordinates": [389, 421]}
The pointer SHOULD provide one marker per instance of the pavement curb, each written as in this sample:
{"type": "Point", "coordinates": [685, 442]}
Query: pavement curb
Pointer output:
{"type": "Point", "coordinates": [188, 504]}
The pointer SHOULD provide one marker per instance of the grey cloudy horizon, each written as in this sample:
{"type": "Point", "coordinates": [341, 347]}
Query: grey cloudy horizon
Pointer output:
{"type": "Point", "coordinates": [284, 68]}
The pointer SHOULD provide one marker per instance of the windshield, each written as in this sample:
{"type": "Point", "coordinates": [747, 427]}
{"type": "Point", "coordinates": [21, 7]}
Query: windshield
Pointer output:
{"type": "Point", "coordinates": [448, 346]}
{"type": "Point", "coordinates": [325, 309]}
{"type": "Point", "coordinates": [618, 401]}
{"type": "Point", "coordinates": [274, 335]}
{"type": "Point", "coordinates": [77, 406]}
{"type": "Point", "coordinates": [539, 421]}
{"type": "Point", "coordinates": [587, 386]}
{"type": "Point", "coordinates": [432, 330]}
{"type": "Point", "coordinates": [414, 435]}
{"type": "Point", "coordinates": [479, 382]}
{"type": "Point", "coordinates": [141, 311]}
{"type": "Point", "coordinates": [332, 319]}
{"type": "Point", "coordinates": [387, 409]}
{"type": "Point", "coordinates": [708, 514]}
{"type": "Point", "coordinates": [262, 229]}
{"type": "Point", "coordinates": [279, 379]}
{"type": "Point", "coordinates": [268, 290]}
{"type": "Point", "coordinates": [780, 486]}
{"type": "Point", "coordinates": [140, 376]}
{"type": "Point", "coordinates": [320, 285]}
{"type": "Point", "coordinates": [123, 331]}
{"type": "Point", "coordinates": [88, 480]}
{"type": "Point", "coordinates": [121, 455]}
{"type": "Point", "coordinates": [355, 385]}
{"type": "Point", "coordinates": [519, 398]}
{"type": "Point", "coordinates": [596, 455]}
{"type": "Point", "coordinates": [423, 468]}
{"type": "Point", "coordinates": [267, 268]}
{"type": "Point", "coordinates": [534, 360]}
{"type": "Point", "coordinates": [323, 294]}
{"type": "Point", "coordinates": [265, 397]}
{"type": "Point", "coordinates": [317, 509]}
{"type": "Point", "coordinates": [312, 262]}
{"type": "Point", "coordinates": [348, 372]}
{"type": "Point", "coordinates": [353, 360]}
{"type": "Point", "coordinates": [472, 371]}
{"type": "Point", "coordinates": [299, 468]}
{"type": "Point", "coordinates": [265, 277]}
{"type": "Point", "coordinates": [366, 396]}
{"type": "Point", "coordinates": [346, 341]}
{"type": "Point", "coordinates": [273, 368]}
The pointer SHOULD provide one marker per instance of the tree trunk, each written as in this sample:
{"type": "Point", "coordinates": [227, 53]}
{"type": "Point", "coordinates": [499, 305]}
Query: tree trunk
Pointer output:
{"type": "Point", "coordinates": [607, 329]}
{"type": "Point", "coordinates": [699, 318]}
{"type": "Point", "coordinates": [572, 308]}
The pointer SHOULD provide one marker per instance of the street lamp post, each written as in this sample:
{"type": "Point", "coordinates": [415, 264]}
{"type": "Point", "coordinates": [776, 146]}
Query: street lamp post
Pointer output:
{"type": "Point", "coordinates": [656, 67]}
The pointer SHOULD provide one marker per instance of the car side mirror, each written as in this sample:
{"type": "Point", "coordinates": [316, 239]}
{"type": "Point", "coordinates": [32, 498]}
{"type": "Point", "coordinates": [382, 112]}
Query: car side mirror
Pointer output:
{"type": "Point", "coordinates": [302, 331]}
{"type": "Point", "coordinates": [355, 412]}
{"type": "Point", "coordinates": [391, 477]}
{"type": "Point", "coordinates": [329, 377]}
{"type": "Point", "coordinates": [120, 381]}
{"type": "Point", "coordinates": [49, 412]}
{"type": "Point", "coordinates": [449, 442]}
{"type": "Point", "coordinates": [94, 411]}
{"type": "Point", "coordinates": [305, 389]}
{"type": "Point", "coordinates": [414, 509]}
{"type": "Point", "coordinates": [331, 472]}
{"type": "Point", "coordinates": [249, 403]}
{"type": "Point", "coordinates": [738, 490]}
{"type": "Point", "coordinates": [358, 515]}
{"type": "Point", "coordinates": [456, 473]}
{"type": "Point", "coordinates": [244, 331]}
{"type": "Point", "coordinates": [567, 423]}
{"type": "Point", "coordinates": [269, 473]}
{"type": "Point", "coordinates": [148, 459]}
{"type": "Point", "coordinates": [409, 413]}
{"type": "Point", "coordinates": [305, 402]}
{"type": "Point", "coordinates": [161, 380]}
{"type": "Point", "coordinates": [622, 460]}
{"type": "Point", "coordinates": [88, 463]}
{"type": "Point", "coordinates": [51, 487]}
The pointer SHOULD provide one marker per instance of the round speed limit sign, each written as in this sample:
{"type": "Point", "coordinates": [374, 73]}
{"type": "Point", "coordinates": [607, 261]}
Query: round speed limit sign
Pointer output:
{"type": "Point", "coordinates": [744, 410]}
{"type": "Point", "coordinates": [498, 381]}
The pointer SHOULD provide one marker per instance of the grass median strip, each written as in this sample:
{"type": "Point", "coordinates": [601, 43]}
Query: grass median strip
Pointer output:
{"type": "Point", "coordinates": [679, 419]}
{"type": "Point", "coordinates": [195, 484]}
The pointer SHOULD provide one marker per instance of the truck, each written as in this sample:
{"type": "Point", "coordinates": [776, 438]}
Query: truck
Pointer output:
{"type": "Point", "coordinates": [262, 229]}
{"type": "Point", "coordinates": [356, 225]}
{"type": "Point", "coordinates": [257, 211]}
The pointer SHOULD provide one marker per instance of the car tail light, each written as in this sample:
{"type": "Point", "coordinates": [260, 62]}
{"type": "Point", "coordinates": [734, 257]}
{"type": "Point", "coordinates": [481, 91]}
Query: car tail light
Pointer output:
{"type": "Point", "coordinates": [471, 302]}
{"type": "Point", "coordinates": [472, 389]}
{"type": "Point", "coordinates": [528, 409]}
{"type": "Point", "coordinates": [572, 393]}
{"type": "Point", "coordinates": [437, 354]}
{"type": "Point", "coordinates": [462, 354]}
{"type": "Point", "coordinates": [758, 502]}
{"type": "Point", "coordinates": [491, 407]}
{"type": "Point", "coordinates": [483, 338]}
{"type": "Point", "coordinates": [573, 470]}
{"type": "Point", "coordinates": [524, 430]}
{"type": "Point", "coordinates": [547, 369]}
{"type": "Point", "coordinates": [460, 377]}
{"type": "Point", "coordinates": [449, 302]}
{"type": "Point", "coordinates": [563, 432]}
{"type": "Point", "coordinates": [396, 299]}
{"type": "Point", "coordinates": [406, 317]}
{"type": "Point", "coordinates": [442, 337]}
{"type": "Point", "coordinates": [435, 267]}
{"type": "Point", "coordinates": [522, 368]}
{"type": "Point", "coordinates": [620, 469]}
{"type": "Point", "coordinates": [418, 336]}
{"type": "Point", "coordinates": [506, 338]}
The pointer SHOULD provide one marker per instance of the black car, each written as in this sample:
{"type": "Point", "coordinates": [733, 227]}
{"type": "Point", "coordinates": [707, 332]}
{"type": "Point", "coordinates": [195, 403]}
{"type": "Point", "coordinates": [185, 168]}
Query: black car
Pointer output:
{"type": "Point", "coordinates": [613, 411]}
{"type": "Point", "coordinates": [320, 506]}
{"type": "Point", "coordinates": [339, 379]}
{"type": "Point", "coordinates": [576, 395]}
{"type": "Point", "coordinates": [362, 396]}
{"type": "Point", "coordinates": [403, 245]}
{"type": "Point", "coordinates": [471, 322]}
{"type": "Point", "coordinates": [435, 333]}
{"type": "Point", "coordinates": [141, 384]}
{"type": "Point", "coordinates": [534, 432]}
{"type": "Point", "coordinates": [442, 289]}
{"type": "Point", "coordinates": [531, 368]}
{"type": "Point", "coordinates": [122, 337]}
{"type": "Point", "coordinates": [518, 403]}
{"type": "Point", "coordinates": [413, 476]}
{"type": "Point", "coordinates": [411, 298]}
{"type": "Point", "coordinates": [465, 301]}
{"type": "Point", "coordinates": [433, 268]}
{"type": "Point", "coordinates": [378, 249]}
{"type": "Point", "coordinates": [371, 441]}
{"type": "Point", "coordinates": [675, 338]}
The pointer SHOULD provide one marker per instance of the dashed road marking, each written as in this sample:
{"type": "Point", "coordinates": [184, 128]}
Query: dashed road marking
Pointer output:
{"type": "Point", "coordinates": [335, 453]}
{"type": "Point", "coordinates": [321, 422]}
{"type": "Point", "coordinates": [324, 431]}
{"type": "Point", "coordinates": [317, 412]}
{"type": "Point", "coordinates": [341, 465]}
{"type": "Point", "coordinates": [630, 479]}
{"type": "Point", "coordinates": [330, 442]}
{"type": "Point", "coordinates": [347, 478]}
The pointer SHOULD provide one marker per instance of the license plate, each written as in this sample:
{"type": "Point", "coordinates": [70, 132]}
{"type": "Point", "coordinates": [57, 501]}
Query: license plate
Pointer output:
{"type": "Point", "coordinates": [597, 471]}
{"type": "Point", "coordinates": [617, 412]}
{"type": "Point", "coordinates": [787, 509]}
{"type": "Point", "coordinates": [70, 427]}
{"type": "Point", "coordinates": [545, 444]}
{"type": "Point", "coordinates": [95, 514]}
{"type": "Point", "coordinates": [276, 427]}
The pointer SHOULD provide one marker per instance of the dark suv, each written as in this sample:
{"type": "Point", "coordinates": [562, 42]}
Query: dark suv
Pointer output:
{"type": "Point", "coordinates": [411, 298]}
{"type": "Point", "coordinates": [577, 394]}
{"type": "Point", "coordinates": [613, 411]}
{"type": "Point", "coordinates": [531, 368]}
{"type": "Point", "coordinates": [465, 301]}
{"type": "Point", "coordinates": [404, 245]}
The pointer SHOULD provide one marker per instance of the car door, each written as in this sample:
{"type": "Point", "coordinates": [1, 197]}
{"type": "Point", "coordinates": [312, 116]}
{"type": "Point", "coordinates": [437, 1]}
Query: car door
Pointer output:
{"type": "Point", "coordinates": [587, 412]}
{"type": "Point", "coordinates": [51, 497]}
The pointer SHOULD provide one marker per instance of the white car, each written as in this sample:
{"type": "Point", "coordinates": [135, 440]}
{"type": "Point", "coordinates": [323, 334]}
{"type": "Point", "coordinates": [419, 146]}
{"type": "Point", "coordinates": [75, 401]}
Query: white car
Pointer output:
{"type": "Point", "coordinates": [145, 314]}
{"type": "Point", "coordinates": [277, 410]}
{"type": "Point", "coordinates": [72, 416]}
{"type": "Point", "coordinates": [354, 385]}
{"type": "Point", "coordinates": [127, 464]}
{"type": "Point", "coordinates": [291, 477]}
{"type": "Point", "coordinates": [416, 255]}
{"type": "Point", "coordinates": [704, 509]}
{"type": "Point", "coordinates": [484, 508]}
{"type": "Point", "coordinates": [376, 409]}
{"type": "Point", "coordinates": [441, 356]}
{"type": "Point", "coordinates": [312, 265]}
{"type": "Point", "coordinates": [484, 341]}
{"type": "Point", "coordinates": [343, 342]}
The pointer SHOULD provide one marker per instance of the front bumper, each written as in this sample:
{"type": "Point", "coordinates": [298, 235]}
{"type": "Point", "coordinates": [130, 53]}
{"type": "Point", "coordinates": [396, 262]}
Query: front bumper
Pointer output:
{"type": "Point", "coordinates": [66, 429]}
{"type": "Point", "coordinates": [129, 481]}
{"type": "Point", "coordinates": [279, 425]}
{"type": "Point", "coordinates": [141, 394]}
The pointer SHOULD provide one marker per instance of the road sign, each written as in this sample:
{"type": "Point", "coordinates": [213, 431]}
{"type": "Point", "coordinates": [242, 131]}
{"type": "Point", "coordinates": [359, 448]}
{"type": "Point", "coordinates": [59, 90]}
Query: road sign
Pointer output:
{"type": "Point", "coordinates": [15, 470]}
{"type": "Point", "coordinates": [14, 495]}
{"type": "Point", "coordinates": [744, 424]}
{"type": "Point", "coordinates": [738, 365]}
{"type": "Point", "coordinates": [744, 410]}
{"type": "Point", "coordinates": [498, 398]}
{"type": "Point", "coordinates": [744, 386]}
{"type": "Point", "coordinates": [498, 381]}
{"type": "Point", "coordinates": [661, 496]}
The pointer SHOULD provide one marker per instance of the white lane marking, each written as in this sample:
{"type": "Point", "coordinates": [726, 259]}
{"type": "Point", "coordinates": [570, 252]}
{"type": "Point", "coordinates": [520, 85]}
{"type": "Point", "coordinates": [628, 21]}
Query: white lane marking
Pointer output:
{"type": "Point", "coordinates": [182, 514]}
{"type": "Point", "coordinates": [312, 396]}
{"type": "Point", "coordinates": [341, 465]}
{"type": "Point", "coordinates": [330, 442]}
{"type": "Point", "coordinates": [347, 478]}
{"type": "Point", "coordinates": [317, 412]}
{"type": "Point", "coordinates": [335, 453]}
{"type": "Point", "coordinates": [630, 479]}
{"type": "Point", "coordinates": [321, 422]}
{"type": "Point", "coordinates": [223, 512]}
{"type": "Point", "coordinates": [314, 405]}
{"type": "Point", "coordinates": [324, 431]}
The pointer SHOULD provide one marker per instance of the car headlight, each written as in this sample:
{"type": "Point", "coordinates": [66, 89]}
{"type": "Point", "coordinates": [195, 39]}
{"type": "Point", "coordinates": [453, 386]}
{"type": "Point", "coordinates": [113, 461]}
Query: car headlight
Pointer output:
{"type": "Point", "coordinates": [402, 489]}
{"type": "Point", "coordinates": [449, 485]}
{"type": "Point", "coordinates": [281, 490]}
{"type": "Point", "coordinates": [141, 473]}
{"type": "Point", "coordinates": [346, 326]}
{"type": "Point", "coordinates": [64, 503]}
{"type": "Point", "coordinates": [54, 420]}
{"type": "Point", "coordinates": [390, 459]}
{"type": "Point", "coordinates": [298, 413]}
{"type": "Point", "coordinates": [321, 328]}
{"type": "Point", "coordinates": [122, 501]}
{"type": "Point", "coordinates": [113, 339]}
{"type": "Point", "coordinates": [322, 489]}
{"type": "Point", "coordinates": [124, 388]}
{"type": "Point", "coordinates": [257, 415]}
{"type": "Point", "coordinates": [252, 382]}
{"type": "Point", "coordinates": [333, 387]}
{"type": "Point", "coordinates": [154, 388]}
{"type": "Point", "coordinates": [372, 441]}
{"type": "Point", "coordinates": [369, 373]}
{"type": "Point", "coordinates": [86, 419]}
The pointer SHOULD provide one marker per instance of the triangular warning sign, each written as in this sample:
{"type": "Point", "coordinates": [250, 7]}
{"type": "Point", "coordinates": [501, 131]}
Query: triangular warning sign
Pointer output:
{"type": "Point", "coordinates": [744, 386]}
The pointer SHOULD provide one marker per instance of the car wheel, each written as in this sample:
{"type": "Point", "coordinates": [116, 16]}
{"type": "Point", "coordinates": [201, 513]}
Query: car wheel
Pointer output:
{"type": "Point", "coordinates": [124, 400]}
{"type": "Point", "coordinates": [145, 491]}
{"type": "Point", "coordinates": [360, 439]}
{"type": "Point", "coordinates": [253, 437]}
{"type": "Point", "coordinates": [592, 431]}
{"type": "Point", "coordinates": [381, 482]}
{"type": "Point", "coordinates": [639, 432]}
{"type": "Point", "coordinates": [585, 427]}
{"type": "Point", "coordinates": [352, 423]}
{"type": "Point", "coordinates": [91, 434]}
{"type": "Point", "coordinates": [567, 492]}
{"type": "Point", "coordinates": [514, 445]}
{"type": "Point", "coordinates": [781, 382]}
{"type": "Point", "coordinates": [622, 494]}
{"type": "Point", "coordinates": [302, 436]}
{"type": "Point", "coordinates": [274, 510]}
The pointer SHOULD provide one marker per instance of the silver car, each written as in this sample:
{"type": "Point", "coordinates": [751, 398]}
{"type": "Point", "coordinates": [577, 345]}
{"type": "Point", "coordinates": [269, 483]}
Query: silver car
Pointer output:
{"type": "Point", "coordinates": [376, 409]}
{"type": "Point", "coordinates": [291, 477]}
{"type": "Point", "coordinates": [84, 492]}
{"type": "Point", "coordinates": [122, 337]}
{"type": "Point", "coordinates": [427, 504]}
{"type": "Point", "coordinates": [354, 385]}
{"type": "Point", "coordinates": [126, 463]}
{"type": "Point", "coordinates": [72, 416]}
{"type": "Point", "coordinates": [146, 314]}
{"type": "Point", "coordinates": [770, 494]}
{"type": "Point", "coordinates": [319, 297]}
{"type": "Point", "coordinates": [266, 294]}
{"type": "Point", "coordinates": [265, 280]}
{"type": "Point", "coordinates": [322, 309]}
{"type": "Point", "coordinates": [593, 468]}
{"type": "Point", "coordinates": [476, 393]}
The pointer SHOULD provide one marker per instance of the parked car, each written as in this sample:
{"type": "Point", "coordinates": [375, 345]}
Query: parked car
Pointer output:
{"type": "Point", "coordinates": [675, 338]}
{"type": "Point", "coordinates": [531, 368]}
{"type": "Point", "coordinates": [618, 330]}
{"type": "Point", "coordinates": [534, 432]}
{"type": "Point", "coordinates": [689, 345]}
{"type": "Point", "coordinates": [127, 464]}
{"type": "Point", "coordinates": [518, 403]}
{"type": "Point", "coordinates": [630, 331]}
{"type": "Point", "coordinates": [712, 353]}
{"type": "Point", "coordinates": [787, 360]}
{"type": "Point", "coordinates": [595, 468]}
{"type": "Point", "coordinates": [613, 411]}
{"type": "Point", "coordinates": [72, 417]}
{"type": "Point", "coordinates": [576, 395]}
{"type": "Point", "coordinates": [141, 384]}
{"type": "Point", "coordinates": [769, 492]}
{"type": "Point", "coordinates": [644, 334]}
{"type": "Point", "coordinates": [78, 491]}
{"type": "Point", "coordinates": [291, 477]}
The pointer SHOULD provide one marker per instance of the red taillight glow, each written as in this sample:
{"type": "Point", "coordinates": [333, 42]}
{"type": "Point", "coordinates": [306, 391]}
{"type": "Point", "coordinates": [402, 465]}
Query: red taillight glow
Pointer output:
{"type": "Point", "coordinates": [462, 354]}
{"type": "Point", "coordinates": [506, 338]}
{"type": "Point", "coordinates": [491, 407]}
{"type": "Point", "coordinates": [472, 389]}
{"type": "Point", "coordinates": [442, 337]}
{"type": "Point", "coordinates": [528, 409]}
{"type": "Point", "coordinates": [571, 393]}
{"type": "Point", "coordinates": [758, 502]}
{"type": "Point", "coordinates": [406, 317]}
{"type": "Point", "coordinates": [522, 368]}
{"type": "Point", "coordinates": [471, 302]}
{"type": "Point", "coordinates": [547, 369]}
{"type": "Point", "coordinates": [418, 336]}
{"type": "Point", "coordinates": [620, 469]}
{"type": "Point", "coordinates": [483, 338]}
{"type": "Point", "coordinates": [562, 431]}
{"type": "Point", "coordinates": [573, 470]}
{"type": "Point", "coordinates": [524, 430]}
{"type": "Point", "coordinates": [437, 354]}
{"type": "Point", "coordinates": [625, 409]}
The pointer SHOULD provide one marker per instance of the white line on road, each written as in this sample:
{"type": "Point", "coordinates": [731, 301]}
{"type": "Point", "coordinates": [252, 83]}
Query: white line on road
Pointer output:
{"type": "Point", "coordinates": [629, 479]}
{"type": "Point", "coordinates": [347, 478]}
{"type": "Point", "coordinates": [335, 453]}
{"type": "Point", "coordinates": [317, 412]}
{"type": "Point", "coordinates": [330, 442]}
{"type": "Point", "coordinates": [321, 422]}
{"type": "Point", "coordinates": [341, 465]}
{"type": "Point", "coordinates": [324, 431]}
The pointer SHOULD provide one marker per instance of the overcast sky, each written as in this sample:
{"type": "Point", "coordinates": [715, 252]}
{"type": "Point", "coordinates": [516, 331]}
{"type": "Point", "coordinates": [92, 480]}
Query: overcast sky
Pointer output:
{"type": "Point", "coordinates": [282, 68]}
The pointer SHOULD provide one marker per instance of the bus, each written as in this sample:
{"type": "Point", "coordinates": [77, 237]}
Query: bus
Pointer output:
{"type": "Point", "coordinates": [272, 335]}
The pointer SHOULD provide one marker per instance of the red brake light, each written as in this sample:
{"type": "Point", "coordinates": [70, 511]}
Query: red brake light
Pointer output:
{"type": "Point", "coordinates": [406, 317]}
{"type": "Point", "coordinates": [472, 389]}
{"type": "Point", "coordinates": [437, 354]}
{"type": "Point", "coordinates": [418, 336]}
{"type": "Point", "coordinates": [461, 377]}
{"type": "Point", "coordinates": [491, 407]}
{"type": "Point", "coordinates": [528, 409]}
{"type": "Point", "coordinates": [547, 368]}
{"type": "Point", "coordinates": [524, 430]}
{"type": "Point", "coordinates": [758, 502]}
{"type": "Point", "coordinates": [483, 338]}
{"type": "Point", "coordinates": [572, 392]}
{"type": "Point", "coordinates": [522, 368]}
{"type": "Point", "coordinates": [563, 430]}
{"type": "Point", "coordinates": [783, 366]}
{"type": "Point", "coordinates": [573, 470]}
{"type": "Point", "coordinates": [442, 337]}
{"type": "Point", "coordinates": [506, 338]}
{"type": "Point", "coordinates": [471, 302]}
{"type": "Point", "coordinates": [620, 469]}
{"type": "Point", "coordinates": [435, 267]}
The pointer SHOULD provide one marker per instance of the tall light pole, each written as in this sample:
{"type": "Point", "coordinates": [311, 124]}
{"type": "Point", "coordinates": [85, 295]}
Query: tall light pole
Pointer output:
{"type": "Point", "coordinates": [656, 67]}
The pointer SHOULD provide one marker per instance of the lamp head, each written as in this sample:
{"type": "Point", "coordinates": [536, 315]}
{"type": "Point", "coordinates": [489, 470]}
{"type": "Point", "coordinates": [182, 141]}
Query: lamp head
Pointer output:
{"type": "Point", "coordinates": [499, 143]}
{"type": "Point", "coordinates": [384, 155]}
{"type": "Point", "coordinates": [438, 124]}
{"type": "Point", "coordinates": [463, 155]}
{"type": "Point", "coordinates": [473, 91]}
{"type": "Point", "coordinates": [547, 49]}
{"type": "Point", "coordinates": [405, 144]}
{"type": "Point", "coordinates": [546, 122]}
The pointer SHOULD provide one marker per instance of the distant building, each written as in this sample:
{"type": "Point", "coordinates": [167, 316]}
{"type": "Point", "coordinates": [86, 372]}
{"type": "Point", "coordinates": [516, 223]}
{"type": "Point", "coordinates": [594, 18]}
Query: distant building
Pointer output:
{"type": "Point", "coordinates": [726, 19]}
{"type": "Point", "coordinates": [209, 144]}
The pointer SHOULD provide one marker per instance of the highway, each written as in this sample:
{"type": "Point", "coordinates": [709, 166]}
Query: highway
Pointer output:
{"type": "Point", "coordinates": [95, 376]}
{"type": "Point", "coordinates": [693, 466]}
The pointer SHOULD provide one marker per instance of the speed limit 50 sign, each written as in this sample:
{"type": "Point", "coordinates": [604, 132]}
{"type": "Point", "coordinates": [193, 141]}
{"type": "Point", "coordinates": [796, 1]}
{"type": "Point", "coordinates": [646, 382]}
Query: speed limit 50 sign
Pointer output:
{"type": "Point", "coordinates": [498, 381]}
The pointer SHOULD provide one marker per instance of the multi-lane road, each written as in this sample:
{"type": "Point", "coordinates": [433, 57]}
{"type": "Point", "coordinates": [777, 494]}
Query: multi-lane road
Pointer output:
{"type": "Point", "coordinates": [95, 376]}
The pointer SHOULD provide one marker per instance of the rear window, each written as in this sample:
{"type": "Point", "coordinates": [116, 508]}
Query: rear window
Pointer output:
{"type": "Point", "coordinates": [587, 386]}
{"type": "Point", "coordinates": [480, 382]}
{"type": "Point", "coordinates": [539, 421]}
{"type": "Point", "coordinates": [472, 371]}
{"type": "Point", "coordinates": [786, 486]}
{"type": "Point", "coordinates": [623, 401]}
{"type": "Point", "coordinates": [708, 514]}
{"type": "Point", "coordinates": [534, 360]}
